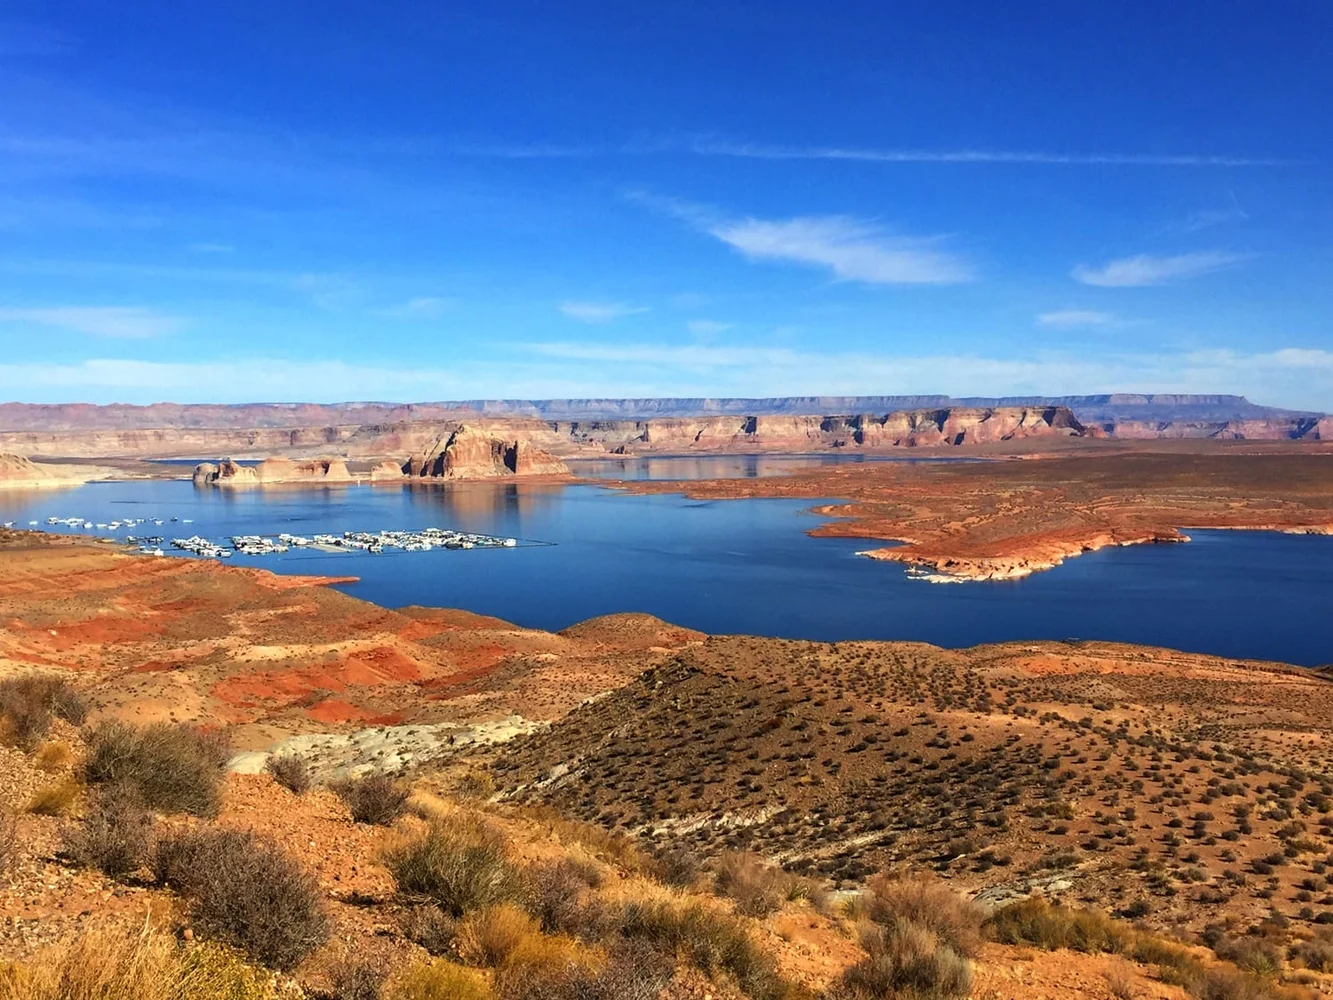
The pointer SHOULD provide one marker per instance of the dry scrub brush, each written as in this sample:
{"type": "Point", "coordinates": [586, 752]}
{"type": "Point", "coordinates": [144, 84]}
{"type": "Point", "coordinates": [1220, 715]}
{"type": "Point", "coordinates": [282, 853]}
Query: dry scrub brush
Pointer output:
{"type": "Point", "coordinates": [106, 964]}
{"type": "Point", "coordinates": [29, 703]}
{"type": "Point", "coordinates": [245, 892]}
{"type": "Point", "coordinates": [115, 835]}
{"type": "Point", "coordinates": [377, 799]}
{"type": "Point", "coordinates": [458, 863]}
{"type": "Point", "coordinates": [289, 771]}
{"type": "Point", "coordinates": [174, 768]}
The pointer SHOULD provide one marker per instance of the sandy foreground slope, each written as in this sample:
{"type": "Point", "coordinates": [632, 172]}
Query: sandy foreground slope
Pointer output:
{"type": "Point", "coordinates": [1097, 773]}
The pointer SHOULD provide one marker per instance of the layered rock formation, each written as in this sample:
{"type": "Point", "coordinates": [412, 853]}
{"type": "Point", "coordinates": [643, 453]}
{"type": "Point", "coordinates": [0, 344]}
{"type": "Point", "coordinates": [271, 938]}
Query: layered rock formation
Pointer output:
{"type": "Point", "coordinates": [18, 472]}
{"type": "Point", "coordinates": [948, 426]}
{"type": "Point", "coordinates": [471, 453]}
{"type": "Point", "coordinates": [272, 471]}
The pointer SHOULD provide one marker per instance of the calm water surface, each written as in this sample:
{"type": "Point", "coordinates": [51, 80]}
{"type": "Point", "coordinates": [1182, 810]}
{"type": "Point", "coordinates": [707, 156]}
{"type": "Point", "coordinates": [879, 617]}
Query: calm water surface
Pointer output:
{"type": "Point", "coordinates": [746, 566]}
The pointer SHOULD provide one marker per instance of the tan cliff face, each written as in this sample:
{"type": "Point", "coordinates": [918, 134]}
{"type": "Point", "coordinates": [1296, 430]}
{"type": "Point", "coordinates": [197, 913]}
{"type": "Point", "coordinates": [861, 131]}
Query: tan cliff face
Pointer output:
{"type": "Point", "coordinates": [955, 426]}
{"type": "Point", "coordinates": [471, 453]}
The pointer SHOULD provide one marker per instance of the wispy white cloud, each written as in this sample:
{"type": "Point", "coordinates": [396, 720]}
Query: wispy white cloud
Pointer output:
{"type": "Point", "coordinates": [1069, 319]}
{"type": "Point", "coordinates": [1294, 376]}
{"type": "Point", "coordinates": [98, 321]}
{"type": "Point", "coordinates": [212, 248]}
{"type": "Point", "coordinates": [761, 151]}
{"type": "Point", "coordinates": [421, 307]}
{"type": "Point", "coordinates": [1144, 269]}
{"type": "Point", "coordinates": [853, 249]}
{"type": "Point", "coordinates": [599, 312]}
{"type": "Point", "coordinates": [707, 327]}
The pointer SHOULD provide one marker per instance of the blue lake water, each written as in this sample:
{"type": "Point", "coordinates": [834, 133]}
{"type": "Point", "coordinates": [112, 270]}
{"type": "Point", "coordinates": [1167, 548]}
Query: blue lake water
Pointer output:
{"type": "Point", "coordinates": [745, 566]}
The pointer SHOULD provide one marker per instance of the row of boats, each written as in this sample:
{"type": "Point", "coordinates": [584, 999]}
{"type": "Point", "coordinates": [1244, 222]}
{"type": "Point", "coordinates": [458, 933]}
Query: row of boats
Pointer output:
{"type": "Point", "coordinates": [362, 541]}
{"type": "Point", "coordinates": [422, 540]}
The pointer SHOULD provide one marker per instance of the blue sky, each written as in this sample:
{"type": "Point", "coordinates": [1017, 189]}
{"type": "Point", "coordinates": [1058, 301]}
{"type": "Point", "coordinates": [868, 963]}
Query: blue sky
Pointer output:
{"type": "Point", "coordinates": [297, 201]}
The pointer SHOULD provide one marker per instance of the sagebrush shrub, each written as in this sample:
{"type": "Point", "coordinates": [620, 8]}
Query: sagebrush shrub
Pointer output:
{"type": "Point", "coordinates": [174, 768]}
{"type": "Point", "coordinates": [29, 703]}
{"type": "Point", "coordinates": [458, 864]}
{"type": "Point", "coordinates": [114, 835]}
{"type": "Point", "coordinates": [953, 918]}
{"type": "Point", "coordinates": [289, 771]}
{"type": "Point", "coordinates": [757, 887]}
{"type": "Point", "coordinates": [377, 799]}
{"type": "Point", "coordinates": [906, 959]}
{"type": "Point", "coordinates": [244, 892]}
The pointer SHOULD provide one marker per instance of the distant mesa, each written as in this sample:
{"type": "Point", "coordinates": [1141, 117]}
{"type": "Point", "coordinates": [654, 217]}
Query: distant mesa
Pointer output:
{"type": "Point", "coordinates": [473, 454]}
{"type": "Point", "coordinates": [272, 471]}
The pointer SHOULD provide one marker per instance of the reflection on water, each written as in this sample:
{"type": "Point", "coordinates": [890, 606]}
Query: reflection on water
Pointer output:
{"type": "Point", "coordinates": [741, 566]}
{"type": "Point", "coordinates": [680, 467]}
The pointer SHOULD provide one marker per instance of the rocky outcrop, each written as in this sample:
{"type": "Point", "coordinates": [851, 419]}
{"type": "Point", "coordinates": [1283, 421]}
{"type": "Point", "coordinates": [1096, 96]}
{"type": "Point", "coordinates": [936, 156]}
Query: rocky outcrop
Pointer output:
{"type": "Point", "coordinates": [272, 471]}
{"type": "Point", "coordinates": [19, 472]}
{"type": "Point", "coordinates": [472, 453]}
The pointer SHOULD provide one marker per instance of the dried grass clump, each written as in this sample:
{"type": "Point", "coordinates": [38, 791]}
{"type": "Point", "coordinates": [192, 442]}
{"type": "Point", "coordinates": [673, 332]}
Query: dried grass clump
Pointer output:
{"type": "Point", "coordinates": [1036, 922]}
{"type": "Point", "coordinates": [105, 964]}
{"type": "Point", "coordinates": [627, 974]}
{"type": "Point", "coordinates": [955, 920]}
{"type": "Point", "coordinates": [53, 756]}
{"type": "Point", "coordinates": [613, 848]}
{"type": "Point", "coordinates": [715, 943]}
{"type": "Point", "coordinates": [289, 771]}
{"type": "Point", "coordinates": [245, 892]}
{"type": "Point", "coordinates": [458, 863]}
{"type": "Point", "coordinates": [377, 799]}
{"type": "Point", "coordinates": [489, 936]}
{"type": "Point", "coordinates": [173, 768]}
{"type": "Point", "coordinates": [29, 703]}
{"type": "Point", "coordinates": [56, 799]}
{"type": "Point", "coordinates": [757, 887]}
{"type": "Point", "coordinates": [906, 959]}
{"type": "Point", "coordinates": [437, 980]}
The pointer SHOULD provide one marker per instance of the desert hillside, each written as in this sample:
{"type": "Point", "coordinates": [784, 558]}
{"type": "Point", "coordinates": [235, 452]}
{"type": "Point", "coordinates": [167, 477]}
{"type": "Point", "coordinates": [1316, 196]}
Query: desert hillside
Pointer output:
{"type": "Point", "coordinates": [656, 813]}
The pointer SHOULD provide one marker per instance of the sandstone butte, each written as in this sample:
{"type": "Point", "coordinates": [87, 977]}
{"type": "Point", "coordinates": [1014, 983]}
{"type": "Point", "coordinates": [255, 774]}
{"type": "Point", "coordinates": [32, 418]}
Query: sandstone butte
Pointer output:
{"type": "Point", "coordinates": [915, 428]}
{"type": "Point", "coordinates": [471, 453]}
{"type": "Point", "coordinates": [1110, 778]}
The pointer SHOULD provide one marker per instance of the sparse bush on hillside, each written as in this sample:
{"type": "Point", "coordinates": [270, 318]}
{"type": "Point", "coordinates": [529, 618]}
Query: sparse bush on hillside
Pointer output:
{"type": "Point", "coordinates": [906, 959]}
{"type": "Point", "coordinates": [757, 887]}
{"type": "Point", "coordinates": [712, 942]}
{"type": "Point", "coordinates": [557, 894]}
{"type": "Point", "coordinates": [105, 964]}
{"type": "Point", "coordinates": [244, 892]}
{"type": "Point", "coordinates": [437, 980]}
{"type": "Point", "coordinates": [1036, 922]}
{"type": "Point", "coordinates": [430, 927]}
{"type": "Point", "coordinates": [605, 845]}
{"type": "Point", "coordinates": [677, 866]}
{"type": "Point", "coordinates": [630, 973]}
{"type": "Point", "coordinates": [377, 799]}
{"type": "Point", "coordinates": [927, 904]}
{"type": "Point", "coordinates": [460, 865]}
{"type": "Point", "coordinates": [289, 771]}
{"type": "Point", "coordinates": [359, 977]}
{"type": "Point", "coordinates": [114, 836]}
{"type": "Point", "coordinates": [29, 703]}
{"type": "Point", "coordinates": [173, 768]}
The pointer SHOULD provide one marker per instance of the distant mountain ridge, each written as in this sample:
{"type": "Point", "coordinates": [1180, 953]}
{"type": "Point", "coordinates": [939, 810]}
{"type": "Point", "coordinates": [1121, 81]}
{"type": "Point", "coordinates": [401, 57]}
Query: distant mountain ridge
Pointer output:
{"type": "Point", "coordinates": [1090, 409]}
